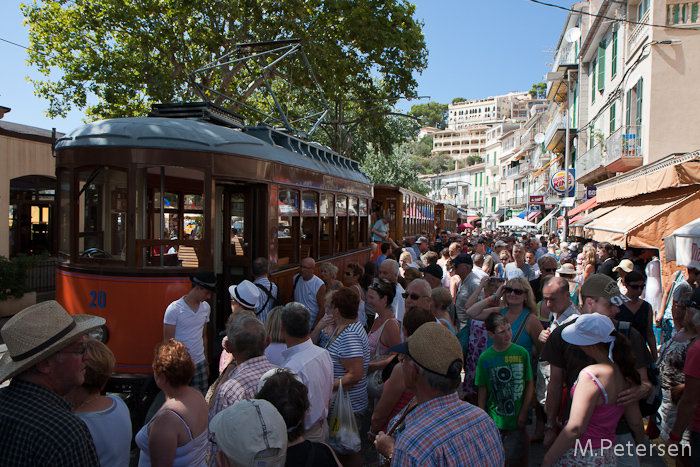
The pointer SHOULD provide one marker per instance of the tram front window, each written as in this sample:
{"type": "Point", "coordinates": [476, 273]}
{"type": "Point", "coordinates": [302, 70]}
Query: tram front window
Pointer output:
{"type": "Point", "coordinates": [238, 245]}
{"type": "Point", "coordinates": [102, 213]}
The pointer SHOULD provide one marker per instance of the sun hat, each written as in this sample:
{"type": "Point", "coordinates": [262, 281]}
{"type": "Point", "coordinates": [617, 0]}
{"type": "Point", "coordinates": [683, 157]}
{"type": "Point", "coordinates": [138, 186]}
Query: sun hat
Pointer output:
{"type": "Point", "coordinates": [434, 348]}
{"type": "Point", "coordinates": [248, 427]}
{"type": "Point", "coordinates": [626, 265]}
{"type": "Point", "coordinates": [205, 279]}
{"type": "Point", "coordinates": [433, 270]}
{"type": "Point", "coordinates": [462, 258]}
{"type": "Point", "coordinates": [501, 243]}
{"type": "Point", "coordinates": [39, 331]}
{"type": "Point", "coordinates": [245, 293]}
{"type": "Point", "coordinates": [567, 269]}
{"type": "Point", "coordinates": [600, 285]}
{"type": "Point", "coordinates": [589, 329]}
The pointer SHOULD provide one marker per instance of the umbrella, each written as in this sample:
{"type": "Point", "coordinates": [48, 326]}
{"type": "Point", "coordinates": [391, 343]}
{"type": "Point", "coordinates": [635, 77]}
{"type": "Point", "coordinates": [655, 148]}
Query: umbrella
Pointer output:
{"type": "Point", "coordinates": [465, 226]}
{"type": "Point", "coordinates": [683, 245]}
{"type": "Point", "coordinates": [516, 222]}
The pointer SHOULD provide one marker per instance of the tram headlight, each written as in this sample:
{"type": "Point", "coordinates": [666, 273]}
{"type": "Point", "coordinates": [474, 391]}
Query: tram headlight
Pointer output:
{"type": "Point", "coordinates": [101, 334]}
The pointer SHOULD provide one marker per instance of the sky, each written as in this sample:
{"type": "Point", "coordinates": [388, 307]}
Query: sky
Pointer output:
{"type": "Point", "coordinates": [476, 49]}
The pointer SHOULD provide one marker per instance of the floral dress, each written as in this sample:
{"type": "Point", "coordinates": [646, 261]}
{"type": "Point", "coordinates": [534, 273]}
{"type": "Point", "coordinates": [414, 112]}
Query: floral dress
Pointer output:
{"type": "Point", "coordinates": [477, 344]}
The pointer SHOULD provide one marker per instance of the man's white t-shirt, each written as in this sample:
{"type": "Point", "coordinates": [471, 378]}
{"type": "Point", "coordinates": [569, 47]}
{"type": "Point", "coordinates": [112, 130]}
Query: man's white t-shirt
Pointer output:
{"type": "Point", "coordinates": [189, 326]}
{"type": "Point", "coordinates": [305, 293]}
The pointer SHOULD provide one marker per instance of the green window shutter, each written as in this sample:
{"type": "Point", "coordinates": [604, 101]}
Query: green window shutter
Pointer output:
{"type": "Point", "coordinates": [601, 66]}
{"type": "Point", "coordinates": [694, 13]}
{"type": "Point", "coordinates": [487, 180]}
{"type": "Point", "coordinates": [573, 117]}
{"type": "Point", "coordinates": [593, 75]}
{"type": "Point", "coordinates": [613, 59]}
{"type": "Point", "coordinates": [612, 118]}
{"type": "Point", "coordinates": [628, 110]}
{"type": "Point", "coordinates": [639, 103]}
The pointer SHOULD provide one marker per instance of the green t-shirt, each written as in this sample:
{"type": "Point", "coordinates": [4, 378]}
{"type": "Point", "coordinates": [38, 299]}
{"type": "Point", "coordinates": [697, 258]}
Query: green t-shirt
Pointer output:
{"type": "Point", "coordinates": [504, 374]}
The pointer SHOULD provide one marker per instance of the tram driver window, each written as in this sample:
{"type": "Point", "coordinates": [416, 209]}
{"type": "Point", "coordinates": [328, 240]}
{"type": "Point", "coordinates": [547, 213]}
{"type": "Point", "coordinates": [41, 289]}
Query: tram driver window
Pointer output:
{"type": "Point", "coordinates": [288, 228]}
{"type": "Point", "coordinates": [102, 213]}
{"type": "Point", "coordinates": [327, 224]}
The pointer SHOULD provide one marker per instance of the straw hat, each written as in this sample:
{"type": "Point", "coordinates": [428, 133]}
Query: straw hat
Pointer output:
{"type": "Point", "coordinates": [38, 332]}
{"type": "Point", "coordinates": [567, 269]}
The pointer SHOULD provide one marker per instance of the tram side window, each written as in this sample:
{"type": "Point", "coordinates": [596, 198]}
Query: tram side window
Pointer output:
{"type": "Point", "coordinates": [309, 225]}
{"type": "Point", "coordinates": [352, 223]}
{"type": "Point", "coordinates": [327, 224]}
{"type": "Point", "coordinates": [363, 234]}
{"type": "Point", "coordinates": [64, 200]}
{"type": "Point", "coordinates": [102, 213]}
{"type": "Point", "coordinates": [341, 224]}
{"type": "Point", "coordinates": [288, 228]}
{"type": "Point", "coordinates": [238, 245]}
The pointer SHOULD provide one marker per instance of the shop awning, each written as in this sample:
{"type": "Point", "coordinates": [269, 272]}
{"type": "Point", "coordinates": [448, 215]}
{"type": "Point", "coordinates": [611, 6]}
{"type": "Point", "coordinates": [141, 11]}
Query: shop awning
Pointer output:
{"type": "Point", "coordinates": [593, 216]}
{"type": "Point", "coordinates": [574, 219]}
{"type": "Point", "coordinates": [533, 215]}
{"type": "Point", "coordinates": [645, 220]}
{"type": "Point", "coordinates": [537, 174]}
{"type": "Point", "coordinates": [683, 245]}
{"type": "Point", "coordinates": [552, 213]}
{"type": "Point", "coordinates": [586, 205]}
{"type": "Point", "coordinates": [472, 219]}
{"type": "Point", "coordinates": [522, 214]}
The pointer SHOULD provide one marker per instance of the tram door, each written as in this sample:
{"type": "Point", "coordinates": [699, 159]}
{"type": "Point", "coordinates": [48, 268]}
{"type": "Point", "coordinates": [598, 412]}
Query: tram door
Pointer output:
{"type": "Point", "coordinates": [243, 237]}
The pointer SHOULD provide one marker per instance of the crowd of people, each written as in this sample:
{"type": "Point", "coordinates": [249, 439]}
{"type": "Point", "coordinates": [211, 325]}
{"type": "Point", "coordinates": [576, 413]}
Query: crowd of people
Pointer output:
{"type": "Point", "coordinates": [444, 349]}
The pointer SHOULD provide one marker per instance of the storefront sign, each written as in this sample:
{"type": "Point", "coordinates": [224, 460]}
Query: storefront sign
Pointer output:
{"type": "Point", "coordinates": [537, 199]}
{"type": "Point", "coordinates": [558, 183]}
{"type": "Point", "coordinates": [535, 208]}
{"type": "Point", "coordinates": [590, 192]}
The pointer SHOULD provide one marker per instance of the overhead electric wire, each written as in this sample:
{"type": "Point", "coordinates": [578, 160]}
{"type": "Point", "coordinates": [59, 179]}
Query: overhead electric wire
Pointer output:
{"type": "Point", "coordinates": [622, 20]}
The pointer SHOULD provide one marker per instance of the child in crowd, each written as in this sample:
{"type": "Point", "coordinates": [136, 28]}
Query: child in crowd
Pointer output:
{"type": "Point", "coordinates": [504, 380]}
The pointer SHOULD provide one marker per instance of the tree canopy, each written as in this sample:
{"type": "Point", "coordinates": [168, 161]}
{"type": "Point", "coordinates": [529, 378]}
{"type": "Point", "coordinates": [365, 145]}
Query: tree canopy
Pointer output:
{"type": "Point", "coordinates": [132, 54]}
{"type": "Point", "coordinates": [395, 169]}
{"type": "Point", "coordinates": [431, 114]}
{"type": "Point", "coordinates": [538, 91]}
{"type": "Point", "coordinates": [458, 99]}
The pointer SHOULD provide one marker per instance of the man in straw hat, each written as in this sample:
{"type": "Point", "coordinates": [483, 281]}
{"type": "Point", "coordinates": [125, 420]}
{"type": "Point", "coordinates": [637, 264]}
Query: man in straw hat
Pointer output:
{"type": "Point", "coordinates": [45, 358]}
{"type": "Point", "coordinates": [186, 321]}
{"type": "Point", "coordinates": [441, 428]}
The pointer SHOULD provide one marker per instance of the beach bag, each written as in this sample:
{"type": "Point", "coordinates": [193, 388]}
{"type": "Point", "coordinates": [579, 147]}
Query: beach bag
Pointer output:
{"type": "Point", "coordinates": [344, 434]}
{"type": "Point", "coordinates": [375, 382]}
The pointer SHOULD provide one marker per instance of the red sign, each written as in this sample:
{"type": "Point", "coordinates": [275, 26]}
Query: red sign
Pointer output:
{"type": "Point", "coordinates": [538, 199]}
{"type": "Point", "coordinates": [547, 207]}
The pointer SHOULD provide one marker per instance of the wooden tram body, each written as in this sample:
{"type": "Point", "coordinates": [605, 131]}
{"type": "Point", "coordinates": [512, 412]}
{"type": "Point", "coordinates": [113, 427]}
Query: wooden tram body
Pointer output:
{"type": "Point", "coordinates": [230, 195]}
{"type": "Point", "coordinates": [410, 213]}
{"type": "Point", "coordinates": [447, 217]}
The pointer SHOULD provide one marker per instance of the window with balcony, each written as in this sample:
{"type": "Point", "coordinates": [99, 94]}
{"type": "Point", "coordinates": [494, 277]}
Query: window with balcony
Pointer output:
{"type": "Point", "coordinates": [633, 112]}
{"type": "Point", "coordinates": [682, 13]}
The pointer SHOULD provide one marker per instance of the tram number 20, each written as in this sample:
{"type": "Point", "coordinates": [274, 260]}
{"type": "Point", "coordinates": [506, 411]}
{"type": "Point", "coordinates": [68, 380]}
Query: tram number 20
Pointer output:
{"type": "Point", "coordinates": [98, 299]}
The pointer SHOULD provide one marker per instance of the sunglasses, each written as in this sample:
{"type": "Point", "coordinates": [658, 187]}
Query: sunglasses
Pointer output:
{"type": "Point", "coordinates": [635, 286]}
{"type": "Point", "coordinates": [550, 269]}
{"type": "Point", "coordinates": [515, 291]}
{"type": "Point", "coordinates": [414, 296]}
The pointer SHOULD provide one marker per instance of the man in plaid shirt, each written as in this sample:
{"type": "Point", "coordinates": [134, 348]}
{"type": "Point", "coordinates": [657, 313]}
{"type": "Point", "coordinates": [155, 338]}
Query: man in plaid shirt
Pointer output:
{"type": "Point", "coordinates": [246, 341]}
{"type": "Point", "coordinates": [442, 430]}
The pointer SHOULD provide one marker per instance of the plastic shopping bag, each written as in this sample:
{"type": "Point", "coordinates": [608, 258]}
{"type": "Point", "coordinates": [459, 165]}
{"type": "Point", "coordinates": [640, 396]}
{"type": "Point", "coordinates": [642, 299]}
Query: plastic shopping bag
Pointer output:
{"type": "Point", "coordinates": [344, 435]}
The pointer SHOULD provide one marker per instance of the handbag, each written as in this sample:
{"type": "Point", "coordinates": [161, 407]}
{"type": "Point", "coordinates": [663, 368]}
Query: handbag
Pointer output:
{"type": "Point", "coordinates": [344, 435]}
{"type": "Point", "coordinates": [375, 382]}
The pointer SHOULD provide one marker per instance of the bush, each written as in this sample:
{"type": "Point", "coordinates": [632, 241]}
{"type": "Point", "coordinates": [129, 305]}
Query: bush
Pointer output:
{"type": "Point", "coordinates": [14, 273]}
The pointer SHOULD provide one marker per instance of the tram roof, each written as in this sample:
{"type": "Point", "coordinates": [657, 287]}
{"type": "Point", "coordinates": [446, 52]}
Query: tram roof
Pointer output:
{"type": "Point", "coordinates": [193, 135]}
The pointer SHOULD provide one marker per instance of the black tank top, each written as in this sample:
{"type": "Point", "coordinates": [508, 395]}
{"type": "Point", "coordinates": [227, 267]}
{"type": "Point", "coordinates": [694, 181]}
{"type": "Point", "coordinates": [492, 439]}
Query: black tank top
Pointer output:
{"type": "Point", "coordinates": [638, 320]}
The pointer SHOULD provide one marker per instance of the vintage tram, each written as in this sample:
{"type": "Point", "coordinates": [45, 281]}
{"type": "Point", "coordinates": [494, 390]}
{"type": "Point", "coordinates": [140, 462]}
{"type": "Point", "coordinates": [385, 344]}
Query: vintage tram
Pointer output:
{"type": "Point", "coordinates": [145, 202]}
{"type": "Point", "coordinates": [447, 217]}
{"type": "Point", "coordinates": [411, 214]}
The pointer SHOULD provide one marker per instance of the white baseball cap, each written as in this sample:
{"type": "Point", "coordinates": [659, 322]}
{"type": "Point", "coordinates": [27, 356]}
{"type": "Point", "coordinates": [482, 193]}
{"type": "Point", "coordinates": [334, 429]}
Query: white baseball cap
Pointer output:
{"type": "Point", "coordinates": [589, 329]}
{"type": "Point", "coordinates": [249, 428]}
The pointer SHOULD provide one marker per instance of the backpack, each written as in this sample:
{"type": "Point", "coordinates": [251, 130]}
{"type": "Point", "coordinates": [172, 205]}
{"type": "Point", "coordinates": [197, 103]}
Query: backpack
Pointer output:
{"type": "Point", "coordinates": [275, 300]}
{"type": "Point", "coordinates": [649, 406]}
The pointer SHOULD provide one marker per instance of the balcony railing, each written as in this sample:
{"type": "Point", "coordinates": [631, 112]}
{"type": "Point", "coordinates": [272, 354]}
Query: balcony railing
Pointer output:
{"type": "Point", "coordinates": [624, 148]}
{"type": "Point", "coordinates": [512, 171]}
{"type": "Point", "coordinates": [639, 32]}
{"type": "Point", "coordinates": [683, 13]}
{"type": "Point", "coordinates": [566, 55]}
{"type": "Point", "coordinates": [492, 187]}
{"type": "Point", "coordinates": [590, 161]}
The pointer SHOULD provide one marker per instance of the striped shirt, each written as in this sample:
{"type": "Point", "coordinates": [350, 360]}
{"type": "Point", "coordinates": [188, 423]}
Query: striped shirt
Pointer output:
{"type": "Point", "coordinates": [37, 428]}
{"type": "Point", "coordinates": [351, 343]}
{"type": "Point", "coordinates": [448, 432]}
